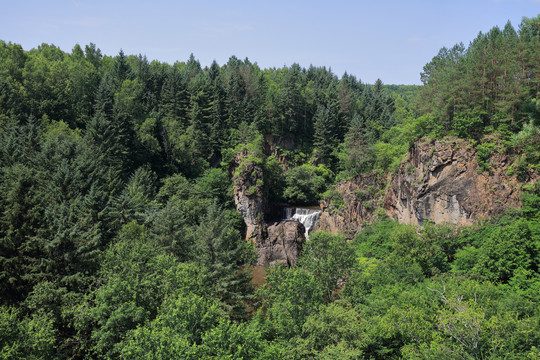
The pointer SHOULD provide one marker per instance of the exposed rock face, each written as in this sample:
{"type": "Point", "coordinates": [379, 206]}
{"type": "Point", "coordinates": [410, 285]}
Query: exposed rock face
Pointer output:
{"type": "Point", "coordinates": [361, 196]}
{"type": "Point", "coordinates": [440, 181]}
{"type": "Point", "coordinates": [443, 183]}
{"type": "Point", "coordinates": [283, 243]}
{"type": "Point", "coordinates": [274, 144]}
{"type": "Point", "coordinates": [279, 243]}
{"type": "Point", "coordinates": [250, 196]}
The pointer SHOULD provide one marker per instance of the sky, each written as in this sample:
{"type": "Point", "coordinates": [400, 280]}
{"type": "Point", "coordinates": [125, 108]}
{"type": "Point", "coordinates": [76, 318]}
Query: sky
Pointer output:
{"type": "Point", "coordinates": [387, 39]}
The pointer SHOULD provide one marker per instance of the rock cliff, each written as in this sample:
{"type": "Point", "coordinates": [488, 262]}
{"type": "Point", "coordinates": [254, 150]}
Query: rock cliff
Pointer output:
{"type": "Point", "coordinates": [440, 181]}
{"type": "Point", "coordinates": [360, 197]}
{"type": "Point", "coordinates": [277, 243]}
{"type": "Point", "coordinates": [274, 145]}
{"type": "Point", "coordinates": [443, 182]}
{"type": "Point", "coordinates": [250, 195]}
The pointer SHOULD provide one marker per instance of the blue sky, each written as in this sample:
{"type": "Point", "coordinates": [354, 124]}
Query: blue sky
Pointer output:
{"type": "Point", "coordinates": [386, 39]}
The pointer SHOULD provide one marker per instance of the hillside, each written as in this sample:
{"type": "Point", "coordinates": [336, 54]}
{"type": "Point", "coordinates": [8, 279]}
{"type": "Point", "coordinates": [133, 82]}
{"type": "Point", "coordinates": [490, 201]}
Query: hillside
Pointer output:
{"type": "Point", "coordinates": [136, 198]}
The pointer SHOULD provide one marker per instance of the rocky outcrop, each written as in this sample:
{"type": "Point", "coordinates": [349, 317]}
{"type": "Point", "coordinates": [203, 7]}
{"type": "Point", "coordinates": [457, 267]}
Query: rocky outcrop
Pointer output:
{"type": "Point", "coordinates": [274, 145]}
{"type": "Point", "coordinates": [359, 198]}
{"type": "Point", "coordinates": [250, 195]}
{"type": "Point", "coordinates": [250, 192]}
{"type": "Point", "coordinates": [278, 243]}
{"type": "Point", "coordinates": [282, 245]}
{"type": "Point", "coordinates": [441, 181]}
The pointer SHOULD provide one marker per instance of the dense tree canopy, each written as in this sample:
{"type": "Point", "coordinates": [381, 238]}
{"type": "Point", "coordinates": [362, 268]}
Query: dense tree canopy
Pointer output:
{"type": "Point", "coordinates": [119, 237]}
{"type": "Point", "coordinates": [491, 84]}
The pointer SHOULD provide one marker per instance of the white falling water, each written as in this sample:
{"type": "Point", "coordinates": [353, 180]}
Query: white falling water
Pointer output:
{"type": "Point", "coordinates": [308, 217]}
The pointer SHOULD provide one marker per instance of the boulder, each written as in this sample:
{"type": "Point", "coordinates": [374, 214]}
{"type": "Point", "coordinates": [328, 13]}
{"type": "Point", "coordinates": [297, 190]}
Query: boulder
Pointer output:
{"type": "Point", "coordinates": [282, 245]}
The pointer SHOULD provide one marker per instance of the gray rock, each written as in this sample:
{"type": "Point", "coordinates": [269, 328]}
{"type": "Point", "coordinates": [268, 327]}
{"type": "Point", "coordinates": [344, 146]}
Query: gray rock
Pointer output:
{"type": "Point", "coordinates": [283, 243]}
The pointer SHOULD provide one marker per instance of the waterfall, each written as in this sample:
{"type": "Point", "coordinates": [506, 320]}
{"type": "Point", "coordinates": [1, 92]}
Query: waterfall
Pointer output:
{"type": "Point", "coordinates": [308, 217]}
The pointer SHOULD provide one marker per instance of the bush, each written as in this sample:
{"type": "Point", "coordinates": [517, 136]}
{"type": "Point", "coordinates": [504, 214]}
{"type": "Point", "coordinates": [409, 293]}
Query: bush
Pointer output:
{"type": "Point", "coordinates": [509, 248]}
{"type": "Point", "coordinates": [483, 154]}
{"type": "Point", "coordinates": [334, 197]}
{"type": "Point", "coordinates": [468, 127]}
{"type": "Point", "coordinates": [305, 184]}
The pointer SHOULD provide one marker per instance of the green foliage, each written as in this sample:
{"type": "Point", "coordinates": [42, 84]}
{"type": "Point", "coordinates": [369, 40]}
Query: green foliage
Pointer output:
{"type": "Point", "coordinates": [192, 328]}
{"type": "Point", "coordinates": [483, 154]}
{"type": "Point", "coordinates": [136, 276]}
{"type": "Point", "coordinates": [274, 178]}
{"type": "Point", "coordinates": [215, 184]}
{"type": "Point", "coordinates": [508, 249]}
{"type": "Point", "coordinates": [187, 198]}
{"type": "Point", "coordinates": [406, 92]}
{"type": "Point", "coordinates": [329, 258]}
{"type": "Point", "coordinates": [305, 184]}
{"type": "Point", "coordinates": [28, 338]}
{"type": "Point", "coordinates": [168, 227]}
{"type": "Point", "coordinates": [147, 134]}
{"type": "Point", "coordinates": [469, 89]}
{"type": "Point", "coordinates": [387, 156]}
{"type": "Point", "coordinates": [181, 323]}
{"type": "Point", "coordinates": [337, 330]}
{"type": "Point", "coordinates": [376, 240]}
{"type": "Point", "coordinates": [526, 142]}
{"type": "Point", "coordinates": [334, 197]}
{"type": "Point", "coordinates": [289, 297]}
{"type": "Point", "coordinates": [531, 200]}
{"type": "Point", "coordinates": [127, 102]}
{"type": "Point", "coordinates": [431, 248]}
{"type": "Point", "coordinates": [175, 185]}
{"type": "Point", "coordinates": [504, 250]}
{"type": "Point", "coordinates": [218, 247]}
{"type": "Point", "coordinates": [466, 259]}
{"type": "Point", "coordinates": [323, 141]}
{"type": "Point", "coordinates": [232, 341]}
{"type": "Point", "coordinates": [387, 152]}
{"type": "Point", "coordinates": [119, 237]}
{"type": "Point", "coordinates": [468, 127]}
{"type": "Point", "coordinates": [410, 247]}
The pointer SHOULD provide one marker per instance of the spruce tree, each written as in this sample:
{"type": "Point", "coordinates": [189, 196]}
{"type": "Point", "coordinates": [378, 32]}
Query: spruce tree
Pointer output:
{"type": "Point", "coordinates": [323, 137]}
{"type": "Point", "coordinates": [121, 70]}
{"type": "Point", "coordinates": [219, 247]}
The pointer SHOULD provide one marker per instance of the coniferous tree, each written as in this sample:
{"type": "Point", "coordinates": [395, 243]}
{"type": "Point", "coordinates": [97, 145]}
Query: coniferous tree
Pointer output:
{"type": "Point", "coordinates": [93, 55]}
{"type": "Point", "coordinates": [236, 92]}
{"type": "Point", "coordinates": [485, 84]}
{"type": "Point", "coordinates": [323, 137]}
{"type": "Point", "coordinates": [218, 246]}
{"type": "Point", "coordinates": [104, 99]}
{"type": "Point", "coordinates": [217, 130]}
{"type": "Point", "coordinates": [121, 70]}
{"type": "Point", "coordinates": [174, 98]}
{"type": "Point", "coordinates": [358, 144]}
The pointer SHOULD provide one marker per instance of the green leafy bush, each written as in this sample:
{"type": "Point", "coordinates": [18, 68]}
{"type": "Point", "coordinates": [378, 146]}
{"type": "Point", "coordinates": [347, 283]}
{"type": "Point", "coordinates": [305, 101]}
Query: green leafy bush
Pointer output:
{"type": "Point", "coordinates": [483, 154]}
{"type": "Point", "coordinates": [305, 184]}
{"type": "Point", "coordinates": [334, 197]}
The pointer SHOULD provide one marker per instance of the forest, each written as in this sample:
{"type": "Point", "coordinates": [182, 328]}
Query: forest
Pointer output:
{"type": "Point", "coordinates": [119, 236]}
